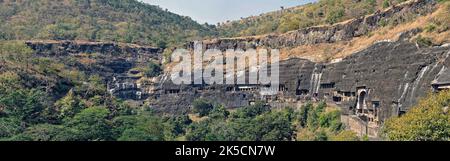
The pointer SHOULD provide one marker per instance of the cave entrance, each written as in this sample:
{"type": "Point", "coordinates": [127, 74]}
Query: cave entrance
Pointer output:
{"type": "Point", "coordinates": [362, 101]}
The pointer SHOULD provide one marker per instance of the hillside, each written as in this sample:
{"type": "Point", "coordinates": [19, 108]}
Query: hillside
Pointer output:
{"type": "Point", "coordinates": [126, 21]}
{"type": "Point", "coordinates": [91, 70]}
{"type": "Point", "coordinates": [325, 43]}
{"type": "Point", "coordinates": [320, 13]}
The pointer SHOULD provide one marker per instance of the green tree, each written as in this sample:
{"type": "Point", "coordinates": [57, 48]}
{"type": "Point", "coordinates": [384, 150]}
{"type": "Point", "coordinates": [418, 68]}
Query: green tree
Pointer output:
{"type": "Point", "coordinates": [153, 69]}
{"type": "Point", "coordinates": [91, 124]}
{"type": "Point", "coordinates": [335, 15]}
{"type": "Point", "coordinates": [26, 105]}
{"type": "Point", "coordinates": [274, 126]}
{"type": "Point", "coordinates": [44, 132]}
{"type": "Point", "coordinates": [69, 105]}
{"type": "Point", "coordinates": [202, 107]}
{"type": "Point", "coordinates": [9, 81]}
{"type": "Point", "coordinates": [313, 120]}
{"type": "Point", "coordinates": [251, 111]}
{"type": "Point", "coordinates": [199, 131]}
{"type": "Point", "coordinates": [176, 126]}
{"type": "Point", "coordinates": [331, 119]}
{"type": "Point", "coordinates": [16, 51]}
{"type": "Point", "coordinates": [9, 126]}
{"type": "Point", "coordinates": [304, 113]}
{"type": "Point", "coordinates": [94, 87]}
{"type": "Point", "coordinates": [219, 112]}
{"type": "Point", "coordinates": [424, 41]}
{"type": "Point", "coordinates": [142, 127]}
{"type": "Point", "coordinates": [428, 121]}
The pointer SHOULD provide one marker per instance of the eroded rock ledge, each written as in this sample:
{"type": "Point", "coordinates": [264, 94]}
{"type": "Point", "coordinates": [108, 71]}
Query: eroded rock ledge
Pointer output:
{"type": "Point", "coordinates": [326, 34]}
{"type": "Point", "coordinates": [66, 47]}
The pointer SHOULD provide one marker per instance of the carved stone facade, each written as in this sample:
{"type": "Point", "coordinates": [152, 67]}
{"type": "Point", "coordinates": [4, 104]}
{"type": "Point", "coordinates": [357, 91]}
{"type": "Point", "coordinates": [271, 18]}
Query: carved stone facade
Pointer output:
{"type": "Point", "coordinates": [380, 82]}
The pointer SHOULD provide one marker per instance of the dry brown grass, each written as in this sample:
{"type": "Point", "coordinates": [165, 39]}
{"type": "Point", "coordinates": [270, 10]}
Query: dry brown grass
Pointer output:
{"type": "Point", "coordinates": [196, 118]}
{"type": "Point", "coordinates": [87, 61]}
{"type": "Point", "coordinates": [316, 52]}
{"type": "Point", "coordinates": [329, 52]}
{"type": "Point", "coordinates": [326, 52]}
{"type": "Point", "coordinates": [439, 38]}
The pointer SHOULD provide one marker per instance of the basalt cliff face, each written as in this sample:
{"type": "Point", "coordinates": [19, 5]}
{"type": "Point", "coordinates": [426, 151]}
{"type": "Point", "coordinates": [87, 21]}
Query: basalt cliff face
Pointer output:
{"type": "Point", "coordinates": [370, 86]}
{"type": "Point", "coordinates": [386, 79]}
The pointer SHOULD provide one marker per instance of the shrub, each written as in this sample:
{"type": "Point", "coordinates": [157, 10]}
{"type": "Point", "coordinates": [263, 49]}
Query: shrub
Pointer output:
{"type": "Point", "coordinates": [345, 136]}
{"type": "Point", "coordinates": [202, 107]}
{"type": "Point", "coordinates": [386, 4]}
{"type": "Point", "coordinates": [424, 41]}
{"type": "Point", "coordinates": [153, 69]}
{"type": "Point", "coordinates": [91, 124]}
{"type": "Point", "coordinates": [430, 27]}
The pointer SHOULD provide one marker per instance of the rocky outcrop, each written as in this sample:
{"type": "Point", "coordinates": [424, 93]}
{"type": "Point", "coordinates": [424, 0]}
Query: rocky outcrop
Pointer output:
{"type": "Point", "coordinates": [394, 76]}
{"type": "Point", "coordinates": [64, 48]}
{"type": "Point", "coordinates": [112, 61]}
{"type": "Point", "coordinates": [327, 34]}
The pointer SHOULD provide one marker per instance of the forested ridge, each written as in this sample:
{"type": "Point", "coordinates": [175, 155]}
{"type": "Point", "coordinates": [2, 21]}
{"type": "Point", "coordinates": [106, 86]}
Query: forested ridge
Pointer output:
{"type": "Point", "coordinates": [137, 22]}
{"type": "Point", "coordinates": [322, 12]}
{"type": "Point", "coordinates": [128, 21]}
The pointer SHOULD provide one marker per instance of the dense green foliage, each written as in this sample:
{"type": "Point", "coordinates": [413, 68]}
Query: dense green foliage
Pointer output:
{"type": "Point", "coordinates": [258, 122]}
{"type": "Point", "coordinates": [317, 123]}
{"type": "Point", "coordinates": [252, 123]}
{"type": "Point", "coordinates": [44, 100]}
{"type": "Point", "coordinates": [153, 69]}
{"type": "Point", "coordinates": [127, 21]}
{"type": "Point", "coordinates": [320, 13]}
{"type": "Point", "coordinates": [428, 121]}
{"type": "Point", "coordinates": [202, 107]}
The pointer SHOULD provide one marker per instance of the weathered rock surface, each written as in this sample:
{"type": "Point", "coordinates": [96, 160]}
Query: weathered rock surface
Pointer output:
{"type": "Point", "coordinates": [327, 34]}
{"type": "Point", "coordinates": [64, 48]}
{"type": "Point", "coordinates": [112, 61]}
{"type": "Point", "coordinates": [379, 82]}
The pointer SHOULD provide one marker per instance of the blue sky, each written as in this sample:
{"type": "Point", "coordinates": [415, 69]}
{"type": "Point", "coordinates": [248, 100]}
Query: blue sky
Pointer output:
{"type": "Point", "coordinates": [213, 11]}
